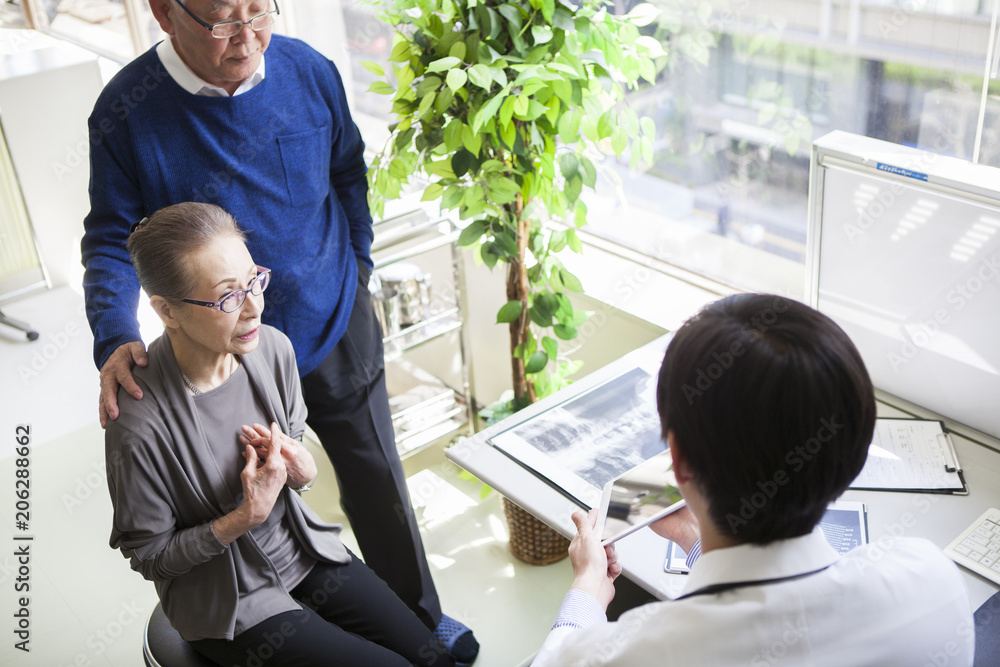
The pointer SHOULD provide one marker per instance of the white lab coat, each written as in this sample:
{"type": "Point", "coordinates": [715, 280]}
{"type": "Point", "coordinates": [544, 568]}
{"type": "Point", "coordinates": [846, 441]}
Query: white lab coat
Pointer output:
{"type": "Point", "coordinates": [896, 603]}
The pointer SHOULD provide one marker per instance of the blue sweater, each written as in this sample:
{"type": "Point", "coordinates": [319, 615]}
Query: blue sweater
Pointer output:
{"type": "Point", "coordinates": [284, 158]}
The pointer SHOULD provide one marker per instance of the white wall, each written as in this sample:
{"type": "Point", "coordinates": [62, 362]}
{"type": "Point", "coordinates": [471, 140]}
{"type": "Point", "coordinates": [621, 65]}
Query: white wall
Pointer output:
{"type": "Point", "coordinates": [47, 91]}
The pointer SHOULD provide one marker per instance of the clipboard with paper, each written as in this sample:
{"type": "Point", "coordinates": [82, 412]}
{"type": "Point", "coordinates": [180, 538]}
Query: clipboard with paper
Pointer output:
{"type": "Point", "coordinates": [915, 455]}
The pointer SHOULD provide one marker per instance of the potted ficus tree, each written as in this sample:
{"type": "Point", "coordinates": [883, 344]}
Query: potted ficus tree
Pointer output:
{"type": "Point", "coordinates": [504, 107]}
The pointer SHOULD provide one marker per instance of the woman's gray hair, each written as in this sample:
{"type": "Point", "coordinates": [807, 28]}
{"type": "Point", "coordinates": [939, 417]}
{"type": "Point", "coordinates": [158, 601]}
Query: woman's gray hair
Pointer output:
{"type": "Point", "coordinates": [161, 244]}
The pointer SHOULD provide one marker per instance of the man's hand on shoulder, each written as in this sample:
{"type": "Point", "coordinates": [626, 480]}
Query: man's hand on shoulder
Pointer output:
{"type": "Point", "coordinates": [117, 371]}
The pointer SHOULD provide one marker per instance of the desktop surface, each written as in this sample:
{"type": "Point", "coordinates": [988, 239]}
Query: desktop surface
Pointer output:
{"type": "Point", "coordinates": [891, 515]}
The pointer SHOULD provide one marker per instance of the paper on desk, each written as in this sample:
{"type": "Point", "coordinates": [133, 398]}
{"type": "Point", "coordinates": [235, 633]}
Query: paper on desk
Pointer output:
{"type": "Point", "coordinates": [910, 455]}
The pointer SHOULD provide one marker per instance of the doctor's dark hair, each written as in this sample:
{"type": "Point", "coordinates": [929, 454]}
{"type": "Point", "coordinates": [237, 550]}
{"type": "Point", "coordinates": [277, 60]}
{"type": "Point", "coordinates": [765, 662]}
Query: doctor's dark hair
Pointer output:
{"type": "Point", "coordinates": [161, 244]}
{"type": "Point", "coordinates": [771, 404]}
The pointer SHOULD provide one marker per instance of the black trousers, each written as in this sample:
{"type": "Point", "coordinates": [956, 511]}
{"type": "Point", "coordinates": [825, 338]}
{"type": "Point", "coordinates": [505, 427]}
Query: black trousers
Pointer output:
{"type": "Point", "coordinates": [349, 411]}
{"type": "Point", "coordinates": [349, 617]}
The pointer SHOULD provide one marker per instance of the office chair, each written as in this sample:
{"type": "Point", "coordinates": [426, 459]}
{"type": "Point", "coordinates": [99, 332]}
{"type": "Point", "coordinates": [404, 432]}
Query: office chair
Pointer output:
{"type": "Point", "coordinates": [19, 325]}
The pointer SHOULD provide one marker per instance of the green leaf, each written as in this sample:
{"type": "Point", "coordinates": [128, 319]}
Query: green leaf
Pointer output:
{"type": "Point", "coordinates": [536, 363]}
{"type": "Point", "coordinates": [432, 192]}
{"type": "Point", "coordinates": [398, 169]}
{"type": "Point", "coordinates": [381, 88]}
{"type": "Point", "coordinates": [508, 134]}
{"type": "Point", "coordinates": [551, 347]}
{"type": "Point", "coordinates": [457, 50]}
{"type": "Point", "coordinates": [471, 140]}
{"type": "Point", "coordinates": [489, 255]}
{"type": "Point", "coordinates": [456, 79]}
{"type": "Point", "coordinates": [643, 15]}
{"type": "Point", "coordinates": [569, 126]}
{"type": "Point", "coordinates": [503, 190]}
{"type": "Point", "coordinates": [564, 332]}
{"type": "Point", "coordinates": [443, 63]}
{"type": "Point", "coordinates": [506, 110]}
{"type": "Point", "coordinates": [373, 67]}
{"type": "Point", "coordinates": [557, 242]}
{"type": "Point", "coordinates": [649, 127]}
{"type": "Point", "coordinates": [487, 111]}
{"type": "Point", "coordinates": [539, 316]}
{"type": "Point", "coordinates": [512, 13]}
{"type": "Point", "coordinates": [577, 319]}
{"type": "Point", "coordinates": [573, 241]}
{"type": "Point", "coordinates": [505, 245]}
{"type": "Point", "coordinates": [574, 186]}
{"type": "Point", "coordinates": [589, 172]}
{"type": "Point", "coordinates": [462, 161]}
{"type": "Point", "coordinates": [401, 51]}
{"type": "Point", "coordinates": [647, 70]}
{"type": "Point", "coordinates": [426, 103]}
{"type": "Point", "coordinates": [481, 76]}
{"type": "Point", "coordinates": [569, 165]}
{"type": "Point", "coordinates": [472, 233]}
{"type": "Point", "coordinates": [571, 282]}
{"type": "Point", "coordinates": [541, 33]}
{"type": "Point", "coordinates": [509, 312]}
{"type": "Point", "coordinates": [619, 140]}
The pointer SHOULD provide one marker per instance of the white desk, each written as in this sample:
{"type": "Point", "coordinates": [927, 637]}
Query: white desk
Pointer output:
{"type": "Point", "coordinates": [936, 517]}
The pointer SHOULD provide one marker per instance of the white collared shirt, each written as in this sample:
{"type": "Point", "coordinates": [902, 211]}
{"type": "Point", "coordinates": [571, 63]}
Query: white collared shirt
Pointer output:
{"type": "Point", "coordinates": [194, 84]}
{"type": "Point", "coordinates": [898, 604]}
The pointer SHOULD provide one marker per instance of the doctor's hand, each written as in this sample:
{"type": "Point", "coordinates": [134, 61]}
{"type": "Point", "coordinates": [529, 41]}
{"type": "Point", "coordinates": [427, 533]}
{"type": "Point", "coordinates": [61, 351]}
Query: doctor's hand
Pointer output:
{"type": "Point", "coordinates": [299, 463]}
{"type": "Point", "coordinates": [117, 371]}
{"type": "Point", "coordinates": [595, 568]}
{"type": "Point", "coordinates": [681, 527]}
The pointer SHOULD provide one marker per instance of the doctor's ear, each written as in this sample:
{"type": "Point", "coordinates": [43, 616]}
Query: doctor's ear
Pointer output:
{"type": "Point", "coordinates": [682, 471]}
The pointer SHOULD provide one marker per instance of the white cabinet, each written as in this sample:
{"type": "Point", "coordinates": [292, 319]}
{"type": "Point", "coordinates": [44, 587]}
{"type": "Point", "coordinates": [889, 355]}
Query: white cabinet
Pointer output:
{"type": "Point", "coordinates": [427, 368]}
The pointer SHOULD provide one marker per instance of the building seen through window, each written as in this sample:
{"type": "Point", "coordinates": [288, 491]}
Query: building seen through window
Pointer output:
{"type": "Point", "coordinates": [748, 87]}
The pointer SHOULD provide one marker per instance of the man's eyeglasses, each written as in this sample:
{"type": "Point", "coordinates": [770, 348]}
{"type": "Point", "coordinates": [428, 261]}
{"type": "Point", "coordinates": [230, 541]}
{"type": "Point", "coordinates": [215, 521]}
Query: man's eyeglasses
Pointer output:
{"type": "Point", "coordinates": [228, 29]}
{"type": "Point", "coordinates": [234, 300]}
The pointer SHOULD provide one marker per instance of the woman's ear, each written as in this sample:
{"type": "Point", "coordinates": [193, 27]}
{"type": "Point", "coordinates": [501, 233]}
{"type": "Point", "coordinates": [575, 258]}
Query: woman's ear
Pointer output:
{"type": "Point", "coordinates": [682, 472]}
{"type": "Point", "coordinates": [166, 311]}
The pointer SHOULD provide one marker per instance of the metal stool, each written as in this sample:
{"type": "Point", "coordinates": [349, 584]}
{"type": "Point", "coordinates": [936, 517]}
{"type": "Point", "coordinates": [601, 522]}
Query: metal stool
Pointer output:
{"type": "Point", "coordinates": [162, 646]}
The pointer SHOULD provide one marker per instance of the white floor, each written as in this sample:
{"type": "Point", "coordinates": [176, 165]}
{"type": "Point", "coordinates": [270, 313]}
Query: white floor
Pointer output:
{"type": "Point", "coordinates": [88, 608]}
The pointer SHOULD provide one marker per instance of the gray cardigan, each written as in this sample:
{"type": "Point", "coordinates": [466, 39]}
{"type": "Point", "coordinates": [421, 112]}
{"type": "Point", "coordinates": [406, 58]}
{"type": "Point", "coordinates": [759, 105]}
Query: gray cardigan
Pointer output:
{"type": "Point", "coordinates": [166, 489]}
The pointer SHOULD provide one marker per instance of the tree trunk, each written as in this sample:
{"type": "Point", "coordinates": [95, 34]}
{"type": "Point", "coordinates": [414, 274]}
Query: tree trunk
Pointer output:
{"type": "Point", "coordinates": [517, 290]}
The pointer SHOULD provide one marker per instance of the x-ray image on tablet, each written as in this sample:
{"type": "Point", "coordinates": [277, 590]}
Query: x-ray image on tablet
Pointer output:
{"type": "Point", "coordinates": [637, 498]}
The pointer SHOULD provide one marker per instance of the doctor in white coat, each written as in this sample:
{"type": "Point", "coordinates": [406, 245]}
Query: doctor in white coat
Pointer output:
{"type": "Point", "coordinates": [768, 411]}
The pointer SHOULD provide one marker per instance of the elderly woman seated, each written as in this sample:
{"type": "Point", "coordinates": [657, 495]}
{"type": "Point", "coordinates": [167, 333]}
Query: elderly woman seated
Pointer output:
{"type": "Point", "coordinates": [205, 472]}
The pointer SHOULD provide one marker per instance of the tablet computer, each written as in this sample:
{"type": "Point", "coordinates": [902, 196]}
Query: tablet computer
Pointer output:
{"type": "Point", "coordinates": [637, 498]}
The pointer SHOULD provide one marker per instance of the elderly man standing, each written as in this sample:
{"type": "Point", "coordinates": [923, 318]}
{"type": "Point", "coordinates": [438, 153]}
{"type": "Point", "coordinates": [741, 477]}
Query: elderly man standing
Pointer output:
{"type": "Point", "coordinates": [198, 118]}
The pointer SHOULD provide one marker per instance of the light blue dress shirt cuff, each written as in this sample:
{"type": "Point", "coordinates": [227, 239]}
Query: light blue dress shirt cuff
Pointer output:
{"type": "Point", "coordinates": [579, 610]}
{"type": "Point", "coordinates": [693, 555]}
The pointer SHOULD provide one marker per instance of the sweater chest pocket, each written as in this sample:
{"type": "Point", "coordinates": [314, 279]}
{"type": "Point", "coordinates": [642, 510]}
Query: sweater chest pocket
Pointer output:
{"type": "Point", "coordinates": [305, 158]}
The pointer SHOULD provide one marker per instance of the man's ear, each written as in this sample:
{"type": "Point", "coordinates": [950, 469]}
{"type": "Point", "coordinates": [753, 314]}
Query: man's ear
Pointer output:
{"type": "Point", "coordinates": [166, 311]}
{"type": "Point", "coordinates": [163, 13]}
{"type": "Point", "coordinates": [682, 472]}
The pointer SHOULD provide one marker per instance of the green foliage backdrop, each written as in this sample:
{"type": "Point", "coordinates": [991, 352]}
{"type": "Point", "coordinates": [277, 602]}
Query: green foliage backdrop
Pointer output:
{"type": "Point", "coordinates": [503, 107]}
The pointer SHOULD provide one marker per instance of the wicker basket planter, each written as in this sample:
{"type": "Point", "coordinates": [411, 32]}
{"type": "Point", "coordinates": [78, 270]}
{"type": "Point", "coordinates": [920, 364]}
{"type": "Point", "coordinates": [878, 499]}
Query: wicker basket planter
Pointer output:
{"type": "Point", "coordinates": [531, 540]}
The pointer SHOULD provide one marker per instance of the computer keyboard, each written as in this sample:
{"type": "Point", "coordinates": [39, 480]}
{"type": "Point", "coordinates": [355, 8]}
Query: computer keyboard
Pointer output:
{"type": "Point", "coordinates": [978, 547]}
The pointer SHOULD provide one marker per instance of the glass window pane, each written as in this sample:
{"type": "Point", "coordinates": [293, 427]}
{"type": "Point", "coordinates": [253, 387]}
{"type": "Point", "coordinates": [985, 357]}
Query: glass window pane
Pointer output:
{"type": "Point", "coordinates": [745, 96]}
